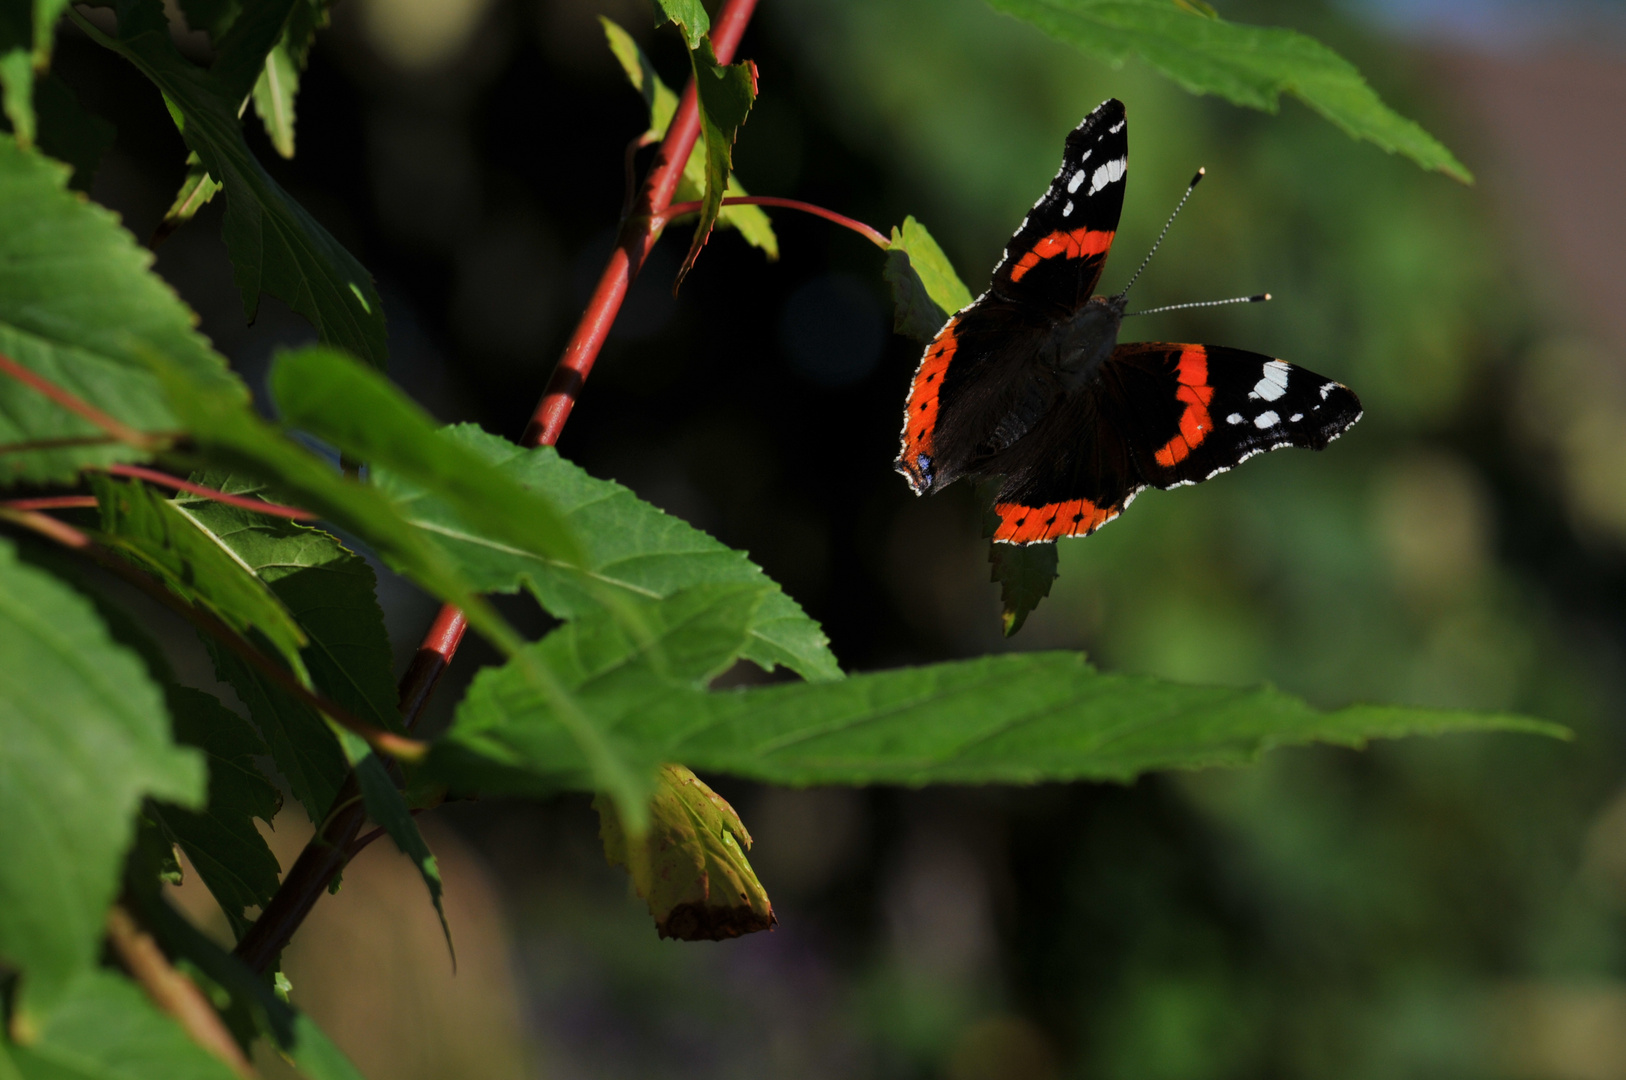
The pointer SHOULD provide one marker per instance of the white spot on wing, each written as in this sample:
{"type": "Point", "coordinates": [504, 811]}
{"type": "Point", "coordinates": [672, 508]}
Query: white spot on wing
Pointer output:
{"type": "Point", "coordinates": [1078, 178]}
{"type": "Point", "coordinates": [1108, 173]}
{"type": "Point", "coordinates": [1115, 128]}
{"type": "Point", "coordinates": [1327, 388]}
{"type": "Point", "coordinates": [1273, 383]}
{"type": "Point", "coordinates": [1067, 211]}
{"type": "Point", "coordinates": [1295, 418]}
{"type": "Point", "coordinates": [1266, 419]}
{"type": "Point", "coordinates": [1234, 418]}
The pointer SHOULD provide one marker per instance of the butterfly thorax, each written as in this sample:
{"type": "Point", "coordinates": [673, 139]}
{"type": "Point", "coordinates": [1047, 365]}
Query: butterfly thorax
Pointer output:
{"type": "Point", "coordinates": [1076, 347]}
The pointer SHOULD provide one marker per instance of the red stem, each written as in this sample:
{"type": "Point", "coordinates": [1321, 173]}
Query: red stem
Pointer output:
{"type": "Point", "coordinates": [119, 430]}
{"type": "Point", "coordinates": [874, 236]}
{"type": "Point", "coordinates": [326, 854]}
{"type": "Point", "coordinates": [259, 506]}
{"type": "Point", "coordinates": [52, 502]}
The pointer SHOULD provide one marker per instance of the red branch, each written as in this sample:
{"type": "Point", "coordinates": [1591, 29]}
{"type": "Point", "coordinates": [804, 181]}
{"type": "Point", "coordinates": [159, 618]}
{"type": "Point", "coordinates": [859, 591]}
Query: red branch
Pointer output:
{"type": "Point", "coordinates": [873, 235]}
{"type": "Point", "coordinates": [326, 854]}
{"type": "Point", "coordinates": [259, 506]}
{"type": "Point", "coordinates": [52, 502]}
{"type": "Point", "coordinates": [118, 429]}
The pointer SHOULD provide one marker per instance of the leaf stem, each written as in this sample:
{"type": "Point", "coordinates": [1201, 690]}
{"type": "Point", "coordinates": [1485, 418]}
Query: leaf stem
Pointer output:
{"type": "Point", "coordinates": [259, 506]}
{"type": "Point", "coordinates": [117, 429]}
{"type": "Point", "coordinates": [873, 235]}
{"type": "Point", "coordinates": [51, 502]}
{"type": "Point", "coordinates": [172, 991]}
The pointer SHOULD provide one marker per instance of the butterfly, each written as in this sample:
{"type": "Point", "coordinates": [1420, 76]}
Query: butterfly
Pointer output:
{"type": "Point", "coordinates": [1029, 384]}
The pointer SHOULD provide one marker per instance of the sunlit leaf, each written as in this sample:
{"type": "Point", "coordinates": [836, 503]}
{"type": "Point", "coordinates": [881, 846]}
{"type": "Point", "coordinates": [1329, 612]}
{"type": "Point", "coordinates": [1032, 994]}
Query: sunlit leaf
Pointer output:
{"type": "Point", "coordinates": [197, 188]}
{"type": "Point", "coordinates": [79, 307]}
{"type": "Point", "coordinates": [1246, 65]}
{"type": "Point", "coordinates": [27, 28]}
{"type": "Point", "coordinates": [725, 96]}
{"type": "Point", "coordinates": [83, 738]}
{"type": "Point", "coordinates": [690, 866]}
{"type": "Point", "coordinates": [925, 288]}
{"type": "Point", "coordinates": [690, 16]}
{"type": "Point", "coordinates": [628, 545]}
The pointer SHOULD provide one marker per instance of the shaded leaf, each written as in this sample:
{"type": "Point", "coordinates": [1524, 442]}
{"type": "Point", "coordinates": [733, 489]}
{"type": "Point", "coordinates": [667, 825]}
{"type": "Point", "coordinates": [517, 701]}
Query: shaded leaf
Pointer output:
{"type": "Point", "coordinates": [725, 96]}
{"type": "Point", "coordinates": [1024, 573]}
{"type": "Point", "coordinates": [330, 591]}
{"type": "Point", "coordinates": [628, 545]}
{"type": "Point", "coordinates": [312, 1053]}
{"type": "Point", "coordinates": [27, 29]}
{"type": "Point", "coordinates": [221, 841]}
{"type": "Point", "coordinates": [690, 867]}
{"type": "Point", "coordinates": [70, 134]}
{"type": "Point", "coordinates": [274, 244]}
{"type": "Point", "coordinates": [751, 221]}
{"type": "Point", "coordinates": [197, 188]}
{"type": "Point", "coordinates": [241, 51]}
{"type": "Point", "coordinates": [79, 307]}
{"type": "Point", "coordinates": [690, 16]}
{"type": "Point", "coordinates": [332, 397]}
{"type": "Point", "coordinates": [104, 1028]}
{"type": "Point", "coordinates": [83, 737]}
{"type": "Point", "coordinates": [149, 530]}
{"type": "Point", "coordinates": [1246, 65]}
{"type": "Point", "coordinates": [925, 288]}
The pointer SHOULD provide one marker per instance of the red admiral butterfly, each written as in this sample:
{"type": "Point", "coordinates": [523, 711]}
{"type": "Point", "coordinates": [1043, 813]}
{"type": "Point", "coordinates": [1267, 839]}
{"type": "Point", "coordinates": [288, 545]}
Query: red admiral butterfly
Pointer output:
{"type": "Point", "coordinates": [1028, 383]}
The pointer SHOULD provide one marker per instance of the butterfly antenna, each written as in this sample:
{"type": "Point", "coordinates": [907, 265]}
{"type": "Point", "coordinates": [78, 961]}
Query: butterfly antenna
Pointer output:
{"type": "Point", "coordinates": [1259, 299]}
{"type": "Point", "coordinates": [1195, 180]}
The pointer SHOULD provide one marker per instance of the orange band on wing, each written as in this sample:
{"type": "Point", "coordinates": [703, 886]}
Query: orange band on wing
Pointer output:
{"type": "Point", "coordinates": [1195, 423]}
{"type": "Point", "coordinates": [1077, 244]}
{"type": "Point", "coordinates": [921, 411]}
{"type": "Point", "coordinates": [1031, 524]}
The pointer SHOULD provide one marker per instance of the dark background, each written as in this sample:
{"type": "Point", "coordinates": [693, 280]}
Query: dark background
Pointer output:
{"type": "Point", "coordinates": [1429, 908]}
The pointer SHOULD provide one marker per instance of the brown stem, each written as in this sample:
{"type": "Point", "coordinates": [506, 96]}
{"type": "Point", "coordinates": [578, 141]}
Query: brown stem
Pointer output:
{"type": "Point", "coordinates": [52, 502]}
{"type": "Point", "coordinates": [325, 855]}
{"type": "Point", "coordinates": [172, 991]}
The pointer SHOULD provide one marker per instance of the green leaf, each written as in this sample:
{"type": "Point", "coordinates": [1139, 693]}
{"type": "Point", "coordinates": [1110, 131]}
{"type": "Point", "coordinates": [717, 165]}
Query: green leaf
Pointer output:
{"type": "Point", "coordinates": [225, 848]}
{"type": "Point", "coordinates": [725, 97]}
{"type": "Point", "coordinates": [332, 397]}
{"type": "Point", "coordinates": [274, 244]}
{"type": "Point", "coordinates": [1024, 573]}
{"type": "Point", "coordinates": [302, 744]}
{"type": "Point", "coordinates": [313, 1054]}
{"type": "Point", "coordinates": [197, 188]}
{"type": "Point", "coordinates": [329, 590]}
{"type": "Point", "coordinates": [752, 222]}
{"type": "Point", "coordinates": [386, 806]}
{"type": "Point", "coordinates": [70, 134]}
{"type": "Point", "coordinates": [1246, 65]}
{"type": "Point", "coordinates": [105, 1029]}
{"type": "Point", "coordinates": [214, 17]}
{"type": "Point", "coordinates": [240, 53]}
{"type": "Point", "coordinates": [83, 738]}
{"type": "Point", "coordinates": [508, 738]}
{"type": "Point", "coordinates": [629, 546]}
{"type": "Point", "coordinates": [690, 15]}
{"type": "Point", "coordinates": [149, 530]}
{"type": "Point", "coordinates": [1015, 719]}
{"type": "Point", "coordinates": [27, 29]}
{"type": "Point", "coordinates": [690, 867]}
{"type": "Point", "coordinates": [925, 288]}
{"type": "Point", "coordinates": [79, 307]}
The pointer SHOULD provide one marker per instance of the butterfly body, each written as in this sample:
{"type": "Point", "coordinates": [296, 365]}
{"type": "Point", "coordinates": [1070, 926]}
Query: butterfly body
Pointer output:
{"type": "Point", "coordinates": [1029, 383]}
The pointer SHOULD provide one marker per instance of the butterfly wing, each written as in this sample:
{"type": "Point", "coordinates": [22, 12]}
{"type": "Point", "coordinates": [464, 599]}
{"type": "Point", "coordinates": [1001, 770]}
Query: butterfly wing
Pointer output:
{"type": "Point", "coordinates": [1160, 415]}
{"type": "Point", "coordinates": [978, 387]}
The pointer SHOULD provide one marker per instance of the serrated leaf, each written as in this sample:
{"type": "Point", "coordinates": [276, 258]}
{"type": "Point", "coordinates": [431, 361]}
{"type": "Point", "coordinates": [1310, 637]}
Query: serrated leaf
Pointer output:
{"type": "Point", "coordinates": [104, 1028]}
{"type": "Point", "coordinates": [1011, 719]}
{"type": "Point", "coordinates": [628, 545]}
{"type": "Point", "coordinates": [70, 134]}
{"type": "Point", "coordinates": [274, 244]}
{"type": "Point", "coordinates": [197, 188]}
{"type": "Point", "coordinates": [690, 866]}
{"type": "Point", "coordinates": [330, 591]}
{"type": "Point", "coordinates": [1246, 65]}
{"type": "Point", "coordinates": [220, 840]}
{"type": "Point", "coordinates": [79, 307]}
{"type": "Point", "coordinates": [925, 288]}
{"type": "Point", "coordinates": [240, 53]}
{"type": "Point", "coordinates": [386, 806]}
{"type": "Point", "coordinates": [509, 738]}
{"type": "Point", "coordinates": [725, 94]}
{"type": "Point", "coordinates": [149, 530]}
{"type": "Point", "coordinates": [1024, 574]}
{"type": "Point", "coordinates": [332, 397]}
{"type": "Point", "coordinates": [83, 738]}
{"type": "Point", "coordinates": [690, 16]}
{"type": "Point", "coordinates": [312, 1053]}
{"type": "Point", "coordinates": [752, 222]}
